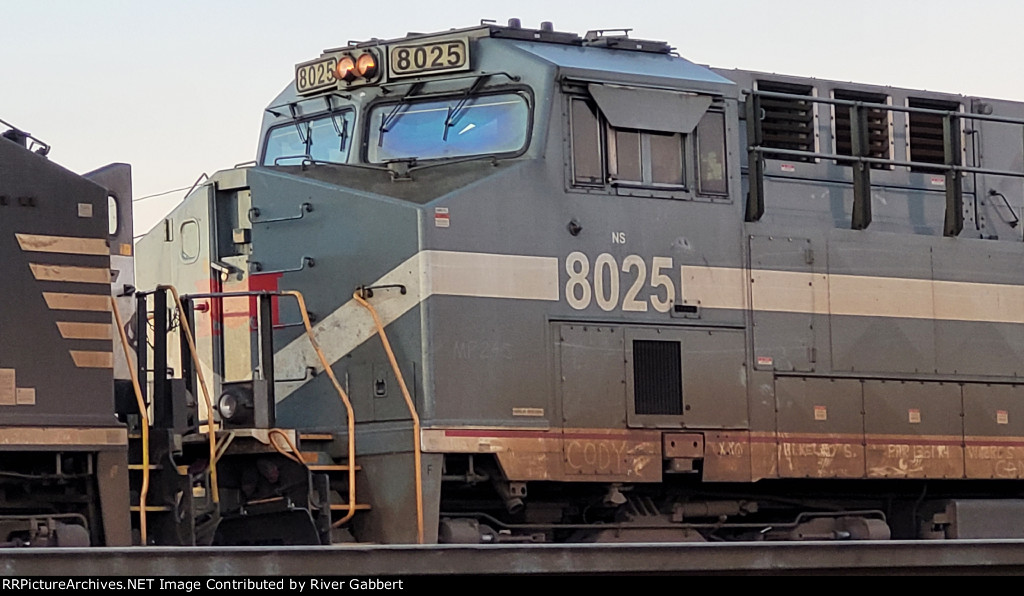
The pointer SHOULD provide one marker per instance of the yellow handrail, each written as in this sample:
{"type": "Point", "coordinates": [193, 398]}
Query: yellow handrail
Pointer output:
{"type": "Point", "coordinates": [143, 493]}
{"type": "Point", "coordinates": [350, 413]}
{"type": "Point", "coordinates": [295, 455]}
{"type": "Point", "coordinates": [202, 383]}
{"type": "Point", "coordinates": [412, 412]}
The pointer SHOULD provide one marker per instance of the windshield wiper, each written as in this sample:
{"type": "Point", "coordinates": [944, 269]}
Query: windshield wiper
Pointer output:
{"type": "Point", "coordinates": [342, 130]}
{"type": "Point", "coordinates": [307, 138]}
{"type": "Point", "coordinates": [387, 121]}
{"type": "Point", "coordinates": [456, 112]}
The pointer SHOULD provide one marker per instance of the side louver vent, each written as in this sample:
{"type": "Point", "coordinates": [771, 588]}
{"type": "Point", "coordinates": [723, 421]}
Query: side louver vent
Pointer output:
{"type": "Point", "coordinates": [657, 378]}
{"type": "Point", "coordinates": [787, 123]}
{"type": "Point", "coordinates": [879, 137]}
{"type": "Point", "coordinates": [925, 131]}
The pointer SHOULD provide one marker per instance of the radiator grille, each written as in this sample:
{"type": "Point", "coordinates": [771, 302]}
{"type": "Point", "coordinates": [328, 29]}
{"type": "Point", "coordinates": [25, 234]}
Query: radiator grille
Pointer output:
{"type": "Point", "coordinates": [787, 123]}
{"type": "Point", "coordinates": [878, 126]}
{"type": "Point", "coordinates": [926, 144]}
{"type": "Point", "coordinates": [657, 378]}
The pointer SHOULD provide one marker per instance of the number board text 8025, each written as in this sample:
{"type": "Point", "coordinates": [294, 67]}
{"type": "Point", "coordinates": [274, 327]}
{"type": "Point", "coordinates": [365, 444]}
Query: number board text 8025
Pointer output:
{"type": "Point", "coordinates": [450, 55]}
{"type": "Point", "coordinates": [315, 75]}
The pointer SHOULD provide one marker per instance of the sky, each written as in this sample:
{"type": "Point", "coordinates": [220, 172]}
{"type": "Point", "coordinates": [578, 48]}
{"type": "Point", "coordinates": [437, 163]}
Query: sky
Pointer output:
{"type": "Point", "coordinates": [177, 89]}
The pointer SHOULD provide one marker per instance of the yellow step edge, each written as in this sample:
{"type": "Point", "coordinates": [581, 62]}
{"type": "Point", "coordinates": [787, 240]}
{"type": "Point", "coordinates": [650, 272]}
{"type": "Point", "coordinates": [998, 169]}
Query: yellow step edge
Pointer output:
{"type": "Point", "coordinates": [316, 437]}
{"type": "Point", "coordinates": [331, 467]}
{"type": "Point", "coordinates": [140, 466]}
{"type": "Point", "coordinates": [150, 508]}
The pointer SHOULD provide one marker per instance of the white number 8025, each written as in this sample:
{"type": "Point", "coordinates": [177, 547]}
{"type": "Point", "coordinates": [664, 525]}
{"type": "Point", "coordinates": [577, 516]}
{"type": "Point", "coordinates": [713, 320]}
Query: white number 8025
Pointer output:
{"type": "Point", "coordinates": [606, 282]}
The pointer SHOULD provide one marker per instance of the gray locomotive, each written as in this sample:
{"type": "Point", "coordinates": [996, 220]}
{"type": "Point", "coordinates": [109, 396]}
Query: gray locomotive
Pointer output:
{"type": "Point", "coordinates": [582, 289]}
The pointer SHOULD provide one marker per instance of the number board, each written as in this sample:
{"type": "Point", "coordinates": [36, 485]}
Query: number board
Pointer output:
{"type": "Point", "coordinates": [450, 55]}
{"type": "Point", "coordinates": [315, 75]}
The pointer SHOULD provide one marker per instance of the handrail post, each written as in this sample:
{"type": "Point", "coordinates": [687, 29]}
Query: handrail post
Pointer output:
{"type": "Point", "coordinates": [954, 221]}
{"type": "Point", "coordinates": [410, 404]}
{"type": "Point", "coordinates": [755, 160]}
{"type": "Point", "coordinates": [861, 216]}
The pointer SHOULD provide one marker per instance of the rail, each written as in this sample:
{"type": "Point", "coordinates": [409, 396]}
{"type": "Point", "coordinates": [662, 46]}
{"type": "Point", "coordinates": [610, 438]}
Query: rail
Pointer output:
{"type": "Point", "coordinates": [501, 561]}
{"type": "Point", "coordinates": [143, 414]}
{"type": "Point", "coordinates": [350, 417]}
{"type": "Point", "coordinates": [417, 454]}
{"type": "Point", "coordinates": [268, 365]}
{"type": "Point", "coordinates": [861, 159]}
{"type": "Point", "coordinates": [211, 425]}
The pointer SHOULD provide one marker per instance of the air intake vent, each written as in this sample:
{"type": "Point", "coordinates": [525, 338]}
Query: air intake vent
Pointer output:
{"type": "Point", "coordinates": [925, 136]}
{"type": "Point", "coordinates": [787, 123]}
{"type": "Point", "coordinates": [657, 378]}
{"type": "Point", "coordinates": [879, 137]}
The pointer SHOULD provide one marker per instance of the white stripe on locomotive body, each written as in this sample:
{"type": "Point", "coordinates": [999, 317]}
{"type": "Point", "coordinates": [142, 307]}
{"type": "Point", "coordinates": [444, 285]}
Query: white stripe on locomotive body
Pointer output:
{"type": "Point", "coordinates": [522, 277]}
{"type": "Point", "coordinates": [427, 273]}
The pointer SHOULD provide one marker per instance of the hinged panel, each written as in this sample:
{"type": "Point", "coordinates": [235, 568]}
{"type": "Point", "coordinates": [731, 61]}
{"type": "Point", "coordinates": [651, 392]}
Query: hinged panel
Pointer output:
{"type": "Point", "coordinates": [782, 299]}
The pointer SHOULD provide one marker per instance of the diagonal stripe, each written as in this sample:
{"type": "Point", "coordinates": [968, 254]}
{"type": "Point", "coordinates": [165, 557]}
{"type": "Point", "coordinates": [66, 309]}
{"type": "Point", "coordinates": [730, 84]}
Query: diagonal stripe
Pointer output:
{"type": "Point", "coordinates": [74, 330]}
{"type": "Point", "coordinates": [87, 275]}
{"type": "Point", "coordinates": [63, 244]}
{"type": "Point", "coordinates": [87, 302]}
{"type": "Point", "coordinates": [90, 359]}
{"type": "Point", "coordinates": [428, 273]}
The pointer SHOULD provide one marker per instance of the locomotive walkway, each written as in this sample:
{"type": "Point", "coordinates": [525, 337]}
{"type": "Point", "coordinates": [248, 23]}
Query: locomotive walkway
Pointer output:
{"type": "Point", "coordinates": [973, 557]}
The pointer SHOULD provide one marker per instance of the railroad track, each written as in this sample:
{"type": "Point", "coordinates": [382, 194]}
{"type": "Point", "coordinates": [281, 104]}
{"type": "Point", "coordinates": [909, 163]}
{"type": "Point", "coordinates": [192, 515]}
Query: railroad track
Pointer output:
{"type": "Point", "coordinates": [803, 558]}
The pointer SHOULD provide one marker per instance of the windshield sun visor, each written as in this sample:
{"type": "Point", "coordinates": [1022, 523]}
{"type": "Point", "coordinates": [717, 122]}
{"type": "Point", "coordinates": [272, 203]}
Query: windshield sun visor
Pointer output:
{"type": "Point", "coordinates": [650, 109]}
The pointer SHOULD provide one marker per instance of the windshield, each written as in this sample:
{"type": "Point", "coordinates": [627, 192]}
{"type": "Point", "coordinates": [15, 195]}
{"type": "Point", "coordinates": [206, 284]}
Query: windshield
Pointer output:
{"type": "Point", "coordinates": [454, 127]}
{"type": "Point", "coordinates": [326, 138]}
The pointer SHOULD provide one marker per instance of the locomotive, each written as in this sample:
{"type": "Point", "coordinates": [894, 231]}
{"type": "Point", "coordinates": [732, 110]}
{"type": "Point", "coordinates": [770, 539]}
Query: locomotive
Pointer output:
{"type": "Point", "coordinates": [520, 285]}
{"type": "Point", "coordinates": [63, 466]}
{"type": "Point", "coordinates": [98, 444]}
{"type": "Point", "coordinates": [578, 288]}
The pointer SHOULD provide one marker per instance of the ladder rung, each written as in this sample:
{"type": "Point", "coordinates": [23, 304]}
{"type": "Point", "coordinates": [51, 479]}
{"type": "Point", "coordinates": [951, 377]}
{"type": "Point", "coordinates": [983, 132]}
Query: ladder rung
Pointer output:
{"type": "Point", "coordinates": [346, 507]}
{"type": "Point", "coordinates": [150, 508]}
{"type": "Point", "coordinates": [316, 437]}
{"type": "Point", "coordinates": [331, 467]}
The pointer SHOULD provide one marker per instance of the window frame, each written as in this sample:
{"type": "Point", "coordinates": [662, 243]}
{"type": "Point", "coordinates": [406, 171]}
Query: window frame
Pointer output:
{"type": "Point", "coordinates": [607, 152]}
{"type": "Point", "coordinates": [350, 110]}
{"type": "Point", "coordinates": [646, 163]}
{"type": "Point", "coordinates": [698, 188]}
{"type": "Point", "coordinates": [369, 133]}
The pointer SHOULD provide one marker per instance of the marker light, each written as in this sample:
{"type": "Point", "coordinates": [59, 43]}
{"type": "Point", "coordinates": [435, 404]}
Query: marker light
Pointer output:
{"type": "Point", "coordinates": [345, 70]}
{"type": "Point", "coordinates": [366, 66]}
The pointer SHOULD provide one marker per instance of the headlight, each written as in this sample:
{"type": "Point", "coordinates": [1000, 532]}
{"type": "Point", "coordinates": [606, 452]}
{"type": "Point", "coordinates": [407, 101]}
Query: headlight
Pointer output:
{"type": "Point", "coordinates": [345, 70]}
{"type": "Point", "coordinates": [366, 66]}
{"type": "Point", "coordinates": [227, 405]}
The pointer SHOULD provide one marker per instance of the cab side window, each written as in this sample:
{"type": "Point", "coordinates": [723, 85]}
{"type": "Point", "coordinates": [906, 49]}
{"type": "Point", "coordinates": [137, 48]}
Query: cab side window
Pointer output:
{"type": "Point", "coordinates": [642, 158]}
{"type": "Point", "coordinates": [712, 177]}
{"type": "Point", "coordinates": [647, 142]}
{"type": "Point", "coordinates": [587, 166]}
